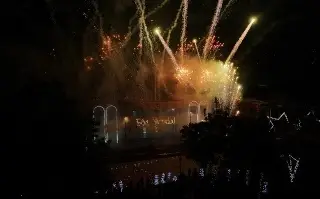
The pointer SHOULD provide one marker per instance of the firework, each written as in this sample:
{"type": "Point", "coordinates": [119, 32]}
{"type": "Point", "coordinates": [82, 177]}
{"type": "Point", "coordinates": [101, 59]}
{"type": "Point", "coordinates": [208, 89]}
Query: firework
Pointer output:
{"type": "Point", "coordinates": [240, 40]}
{"type": "Point", "coordinates": [214, 23]}
{"type": "Point", "coordinates": [153, 67]}
{"type": "Point", "coordinates": [184, 28]}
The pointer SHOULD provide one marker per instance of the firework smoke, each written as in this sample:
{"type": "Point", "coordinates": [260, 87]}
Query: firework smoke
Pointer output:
{"type": "Point", "coordinates": [194, 77]}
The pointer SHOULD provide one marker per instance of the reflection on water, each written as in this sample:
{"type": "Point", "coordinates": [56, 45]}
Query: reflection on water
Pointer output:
{"type": "Point", "coordinates": [134, 171]}
{"type": "Point", "coordinates": [165, 170]}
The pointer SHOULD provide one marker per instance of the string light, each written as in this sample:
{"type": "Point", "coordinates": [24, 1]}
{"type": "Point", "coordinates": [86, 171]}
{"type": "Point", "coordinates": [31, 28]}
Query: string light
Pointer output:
{"type": "Point", "coordinates": [247, 177]}
{"type": "Point", "coordinates": [265, 187]}
{"type": "Point", "coordinates": [201, 173]}
{"type": "Point", "coordinates": [293, 171]}
{"type": "Point", "coordinates": [261, 181]}
{"type": "Point", "coordinates": [229, 174]}
{"type": "Point", "coordinates": [163, 176]}
{"type": "Point", "coordinates": [175, 178]}
{"type": "Point", "coordinates": [311, 113]}
{"type": "Point", "coordinates": [283, 115]}
{"type": "Point", "coordinates": [121, 186]}
{"type": "Point", "coordinates": [169, 176]}
{"type": "Point", "coordinates": [156, 180]}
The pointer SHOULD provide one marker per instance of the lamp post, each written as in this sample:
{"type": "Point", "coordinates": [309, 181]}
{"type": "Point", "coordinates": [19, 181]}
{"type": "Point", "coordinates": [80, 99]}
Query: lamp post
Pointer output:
{"type": "Point", "coordinates": [126, 120]}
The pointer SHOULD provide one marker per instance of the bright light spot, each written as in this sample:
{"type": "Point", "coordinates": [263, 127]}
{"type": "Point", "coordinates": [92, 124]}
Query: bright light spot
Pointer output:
{"type": "Point", "coordinates": [237, 113]}
{"type": "Point", "coordinates": [239, 87]}
{"type": "Point", "coordinates": [157, 31]}
{"type": "Point", "coordinates": [194, 40]}
{"type": "Point", "coordinates": [126, 119]}
{"type": "Point", "coordinates": [253, 20]}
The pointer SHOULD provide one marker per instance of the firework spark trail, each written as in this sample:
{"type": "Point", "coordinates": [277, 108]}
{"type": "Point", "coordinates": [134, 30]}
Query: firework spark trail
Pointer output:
{"type": "Point", "coordinates": [131, 21]}
{"type": "Point", "coordinates": [131, 30]}
{"type": "Point", "coordinates": [214, 23]}
{"type": "Point", "coordinates": [149, 13]}
{"type": "Point", "coordinates": [237, 45]}
{"type": "Point", "coordinates": [169, 51]}
{"type": "Point", "coordinates": [141, 7]}
{"type": "Point", "coordinates": [184, 28]}
{"type": "Point", "coordinates": [140, 38]}
{"type": "Point", "coordinates": [172, 27]}
{"type": "Point", "coordinates": [95, 5]}
{"type": "Point", "coordinates": [157, 8]}
{"type": "Point", "coordinates": [197, 49]}
{"type": "Point", "coordinates": [226, 9]}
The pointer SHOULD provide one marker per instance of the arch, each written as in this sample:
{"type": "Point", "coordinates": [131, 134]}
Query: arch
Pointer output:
{"type": "Point", "coordinates": [198, 109]}
{"type": "Point", "coordinates": [117, 124]}
{"type": "Point", "coordinates": [104, 116]}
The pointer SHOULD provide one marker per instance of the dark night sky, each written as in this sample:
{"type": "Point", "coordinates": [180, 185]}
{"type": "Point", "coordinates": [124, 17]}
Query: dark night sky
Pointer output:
{"type": "Point", "coordinates": [280, 51]}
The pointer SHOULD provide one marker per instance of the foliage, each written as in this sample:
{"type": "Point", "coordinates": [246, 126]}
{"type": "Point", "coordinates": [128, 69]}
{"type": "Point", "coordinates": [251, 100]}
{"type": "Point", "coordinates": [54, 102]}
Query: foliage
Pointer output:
{"type": "Point", "coordinates": [244, 142]}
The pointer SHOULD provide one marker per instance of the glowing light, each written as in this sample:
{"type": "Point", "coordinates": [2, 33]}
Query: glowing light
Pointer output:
{"type": "Point", "coordinates": [237, 113]}
{"type": "Point", "coordinates": [126, 119]}
{"type": "Point", "coordinates": [157, 31]}
{"type": "Point", "coordinates": [194, 41]}
{"type": "Point", "coordinates": [253, 20]}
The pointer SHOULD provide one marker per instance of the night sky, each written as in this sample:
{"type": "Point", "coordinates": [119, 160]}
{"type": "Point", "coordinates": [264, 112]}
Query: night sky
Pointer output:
{"type": "Point", "coordinates": [280, 52]}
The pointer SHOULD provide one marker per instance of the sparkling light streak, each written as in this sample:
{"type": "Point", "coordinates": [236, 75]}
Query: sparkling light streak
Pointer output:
{"type": "Point", "coordinates": [194, 41]}
{"type": "Point", "coordinates": [169, 51]}
{"type": "Point", "coordinates": [214, 23]}
{"type": "Point", "coordinates": [184, 29]}
{"type": "Point", "coordinates": [283, 115]}
{"type": "Point", "coordinates": [240, 40]}
{"type": "Point", "coordinates": [293, 171]}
